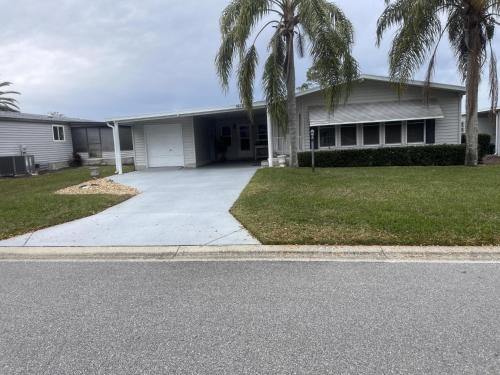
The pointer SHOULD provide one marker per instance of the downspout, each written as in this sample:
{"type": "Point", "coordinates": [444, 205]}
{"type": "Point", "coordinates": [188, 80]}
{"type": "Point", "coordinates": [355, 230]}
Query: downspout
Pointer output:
{"type": "Point", "coordinates": [116, 142]}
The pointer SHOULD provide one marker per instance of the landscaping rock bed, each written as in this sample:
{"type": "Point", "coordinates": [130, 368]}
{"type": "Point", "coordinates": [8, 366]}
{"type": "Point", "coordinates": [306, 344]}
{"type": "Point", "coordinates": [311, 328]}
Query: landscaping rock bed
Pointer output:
{"type": "Point", "coordinates": [98, 186]}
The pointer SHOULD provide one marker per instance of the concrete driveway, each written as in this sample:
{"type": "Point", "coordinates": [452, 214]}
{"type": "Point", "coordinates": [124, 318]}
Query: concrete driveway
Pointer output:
{"type": "Point", "coordinates": [175, 207]}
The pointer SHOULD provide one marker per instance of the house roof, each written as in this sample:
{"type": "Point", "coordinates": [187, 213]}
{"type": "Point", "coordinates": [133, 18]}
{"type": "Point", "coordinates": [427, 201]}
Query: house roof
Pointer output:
{"type": "Point", "coordinates": [483, 111]}
{"type": "Point", "coordinates": [371, 77]}
{"type": "Point", "coordinates": [53, 119]}
{"type": "Point", "coordinates": [186, 113]}
{"type": "Point", "coordinates": [262, 104]}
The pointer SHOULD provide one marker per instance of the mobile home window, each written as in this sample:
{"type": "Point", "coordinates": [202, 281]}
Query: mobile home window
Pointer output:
{"type": "Point", "coordinates": [58, 132]}
{"type": "Point", "coordinates": [393, 133]}
{"type": "Point", "coordinates": [371, 135]}
{"type": "Point", "coordinates": [348, 135]}
{"type": "Point", "coordinates": [327, 136]}
{"type": "Point", "coordinates": [415, 131]}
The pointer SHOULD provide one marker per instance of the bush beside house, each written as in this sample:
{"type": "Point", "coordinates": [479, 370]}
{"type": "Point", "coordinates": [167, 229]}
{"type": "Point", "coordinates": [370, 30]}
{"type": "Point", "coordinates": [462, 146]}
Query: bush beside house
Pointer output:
{"type": "Point", "coordinates": [388, 156]}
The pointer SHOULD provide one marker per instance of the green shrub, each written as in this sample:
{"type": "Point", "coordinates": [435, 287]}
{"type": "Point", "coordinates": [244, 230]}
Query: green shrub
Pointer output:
{"type": "Point", "coordinates": [395, 156]}
{"type": "Point", "coordinates": [483, 145]}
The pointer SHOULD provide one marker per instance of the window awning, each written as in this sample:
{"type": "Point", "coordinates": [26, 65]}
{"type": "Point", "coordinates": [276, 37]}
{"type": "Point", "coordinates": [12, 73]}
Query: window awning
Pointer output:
{"type": "Point", "coordinates": [375, 112]}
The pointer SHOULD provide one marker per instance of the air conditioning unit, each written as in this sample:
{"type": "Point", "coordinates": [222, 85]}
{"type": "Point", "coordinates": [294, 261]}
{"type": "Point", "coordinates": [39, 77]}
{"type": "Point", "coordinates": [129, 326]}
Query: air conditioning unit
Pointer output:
{"type": "Point", "coordinates": [17, 165]}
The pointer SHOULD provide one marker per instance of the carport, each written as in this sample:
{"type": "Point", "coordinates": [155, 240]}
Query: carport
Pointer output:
{"type": "Point", "coordinates": [192, 139]}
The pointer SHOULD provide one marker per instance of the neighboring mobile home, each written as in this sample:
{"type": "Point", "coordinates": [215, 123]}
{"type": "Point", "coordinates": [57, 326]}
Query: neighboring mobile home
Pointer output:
{"type": "Point", "coordinates": [488, 123]}
{"type": "Point", "coordinates": [50, 139]}
{"type": "Point", "coordinates": [373, 116]}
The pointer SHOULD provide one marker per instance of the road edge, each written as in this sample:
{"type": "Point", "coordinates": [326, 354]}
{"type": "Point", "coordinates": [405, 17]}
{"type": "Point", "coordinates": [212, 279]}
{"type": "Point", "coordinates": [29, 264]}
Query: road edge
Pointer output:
{"type": "Point", "coordinates": [256, 252]}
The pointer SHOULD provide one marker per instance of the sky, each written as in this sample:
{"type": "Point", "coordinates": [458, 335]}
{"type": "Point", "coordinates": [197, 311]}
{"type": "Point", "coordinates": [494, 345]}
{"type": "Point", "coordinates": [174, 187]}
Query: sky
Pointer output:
{"type": "Point", "coordinates": [99, 59]}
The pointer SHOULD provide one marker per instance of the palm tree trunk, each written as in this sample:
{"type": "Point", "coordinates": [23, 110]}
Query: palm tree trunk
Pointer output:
{"type": "Point", "coordinates": [472, 88]}
{"type": "Point", "coordinates": [291, 101]}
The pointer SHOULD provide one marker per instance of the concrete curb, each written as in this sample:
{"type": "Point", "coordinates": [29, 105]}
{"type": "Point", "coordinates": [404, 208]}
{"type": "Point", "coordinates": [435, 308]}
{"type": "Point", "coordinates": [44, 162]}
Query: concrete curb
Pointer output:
{"type": "Point", "coordinates": [254, 252]}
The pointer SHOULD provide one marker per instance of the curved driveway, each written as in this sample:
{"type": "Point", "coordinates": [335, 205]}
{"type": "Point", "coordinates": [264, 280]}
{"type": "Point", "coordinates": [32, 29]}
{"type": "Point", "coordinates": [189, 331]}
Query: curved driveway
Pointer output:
{"type": "Point", "coordinates": [175, 207]}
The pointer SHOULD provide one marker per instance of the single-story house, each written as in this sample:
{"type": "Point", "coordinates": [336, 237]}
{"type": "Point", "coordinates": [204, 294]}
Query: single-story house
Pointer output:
{"type": "Point", "coordinates": [373, 116]}
{"type": "Point", "coordinates": [52, 139]}
{"type": "Point", "coordinates": [488, 123]}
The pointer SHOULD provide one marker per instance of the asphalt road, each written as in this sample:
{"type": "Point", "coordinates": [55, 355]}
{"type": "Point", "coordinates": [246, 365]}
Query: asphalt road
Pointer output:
{"type": "Point", "coordinates": [249, 318]}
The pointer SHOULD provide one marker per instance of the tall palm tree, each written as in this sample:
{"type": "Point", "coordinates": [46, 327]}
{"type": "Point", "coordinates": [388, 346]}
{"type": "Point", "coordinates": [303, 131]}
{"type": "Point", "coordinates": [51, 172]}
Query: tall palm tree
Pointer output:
{"type": "Point", "coordinates": [317, 26]}
{"type": "Point", "coordinates": [470, 25]}
{"type": "Point", "coordinates": [6, 103]}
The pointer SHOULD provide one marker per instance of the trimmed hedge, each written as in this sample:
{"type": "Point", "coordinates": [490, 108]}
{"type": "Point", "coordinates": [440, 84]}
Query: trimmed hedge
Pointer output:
{"type": "Point", "coordinates": [483, 145]}
{"type": "Point", "coordinates": [388, 156]}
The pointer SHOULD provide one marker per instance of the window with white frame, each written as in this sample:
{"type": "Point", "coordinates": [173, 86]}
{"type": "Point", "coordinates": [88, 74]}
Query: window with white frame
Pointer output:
{"type": "Point", "coordinates": [415, 131]}
{"type": "Point", "coordinates": [327, 136]}
{"type": "Point", "coordinates": [371, 134]}
{"type": "Point", "coordinates": [393, 133]}
{"type": "Point", "coordinates": [348, 135]}
{"type": "Point", "coordinates": [58, 133]}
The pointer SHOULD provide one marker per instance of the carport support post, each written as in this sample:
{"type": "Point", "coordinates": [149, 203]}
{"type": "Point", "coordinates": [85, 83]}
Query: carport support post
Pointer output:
{"type": "Point", "coordinates": [118, 151]}
{"type": "Point", "coordinates": [270, 146]}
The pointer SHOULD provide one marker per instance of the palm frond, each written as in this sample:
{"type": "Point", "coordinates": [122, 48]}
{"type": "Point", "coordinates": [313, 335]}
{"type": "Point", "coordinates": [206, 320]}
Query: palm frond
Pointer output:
{"type": "Point", "coordinates": [246, 78]}
{"type": "Point", "coordinates": [274, 82]}
{"type": "Point", "coordinates": [6, 103]}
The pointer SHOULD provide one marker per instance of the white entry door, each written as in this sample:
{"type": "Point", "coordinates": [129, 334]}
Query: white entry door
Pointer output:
{"type": "Point", "coordinates": [164, 145]}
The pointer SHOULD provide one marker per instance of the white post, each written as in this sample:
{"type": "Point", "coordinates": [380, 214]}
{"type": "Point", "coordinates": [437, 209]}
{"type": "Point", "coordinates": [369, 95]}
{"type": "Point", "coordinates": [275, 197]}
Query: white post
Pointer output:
{"type": "Point", "coordinates": [270, 145]}
{"type": "Point", "coordinates": [118, 151]}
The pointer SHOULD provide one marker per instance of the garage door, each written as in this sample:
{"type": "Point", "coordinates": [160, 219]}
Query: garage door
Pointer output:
{"type": "Point", "coordinates": [164, 145]}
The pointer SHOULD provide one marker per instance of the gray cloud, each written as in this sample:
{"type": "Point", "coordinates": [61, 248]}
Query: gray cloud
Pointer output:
{"type": "Point", "coordinates": [102, 58]}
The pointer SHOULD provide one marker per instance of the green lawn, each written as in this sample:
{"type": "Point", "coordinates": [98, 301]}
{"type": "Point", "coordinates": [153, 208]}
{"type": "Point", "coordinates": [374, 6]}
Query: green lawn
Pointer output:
{"type": "Point", "coordinates": [374, 206]}
{"type": "Point", "coordinates": [29, 203]}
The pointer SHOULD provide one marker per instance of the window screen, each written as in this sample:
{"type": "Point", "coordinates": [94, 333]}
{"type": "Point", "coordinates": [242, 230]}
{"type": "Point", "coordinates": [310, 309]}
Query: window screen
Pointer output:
{"type": "Point", "coordinates": [327, 136]}
{"type": "Point", "coordinates": [107, 140]}
{"type": "Point", "coordinates": [79, 136]}
{"type": "Point", "coordinates": [371, 134]}
{"type": "Point", "coordinates": [393, 133]}
{"type": "Point", "coordinates": [93, 135]}
{"type": "Point", "coordinates": [415, 131]}
{"type": "Point", "coordinates": [126, 143]}
{"type": "Point", "coordinates": [348, 135]}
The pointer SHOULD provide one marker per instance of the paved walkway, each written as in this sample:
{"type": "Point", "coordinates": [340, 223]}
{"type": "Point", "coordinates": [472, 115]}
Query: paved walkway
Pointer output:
{"type": "Point", "coordinates": [175, 207]}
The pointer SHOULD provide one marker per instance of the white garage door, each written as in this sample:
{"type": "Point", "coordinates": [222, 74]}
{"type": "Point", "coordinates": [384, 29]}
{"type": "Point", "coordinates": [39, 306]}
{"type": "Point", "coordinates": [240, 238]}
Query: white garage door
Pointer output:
{"type": "Point", "coordinates": [164, 144]}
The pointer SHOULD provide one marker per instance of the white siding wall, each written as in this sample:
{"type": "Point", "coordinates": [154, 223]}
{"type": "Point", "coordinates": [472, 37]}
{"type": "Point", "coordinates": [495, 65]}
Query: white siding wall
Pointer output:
{"type": "Point", "coordinates": [447, 129]}
{"type": "Point", "coordinates": [487, 125]}
{"type": "Point", "coordinates": [140, 146]}
{"type": "Point", "coordinates": [39, 141]}
{"type": "Point", "coordinates": [188, 141]}
{"type": "Point", "coordinates": [140, 156]}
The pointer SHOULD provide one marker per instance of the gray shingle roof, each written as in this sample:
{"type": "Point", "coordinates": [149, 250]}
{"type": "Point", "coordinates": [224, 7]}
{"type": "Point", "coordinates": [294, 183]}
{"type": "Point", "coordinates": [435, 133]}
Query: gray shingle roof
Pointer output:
{"type": "Point", "coordinates": [5, 115]}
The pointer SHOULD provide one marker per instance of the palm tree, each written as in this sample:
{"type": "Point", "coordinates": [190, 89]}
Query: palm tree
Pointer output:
{"type": "Point", "coordinates": [470, 25]}
{"type": "Point", "coordinates": [316, 25]}
{"type": "Point", "coordinates": [6, 103]}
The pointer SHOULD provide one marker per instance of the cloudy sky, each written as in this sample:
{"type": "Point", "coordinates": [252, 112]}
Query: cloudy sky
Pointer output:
{"type": "Point", "coordinates": [103, 58]}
